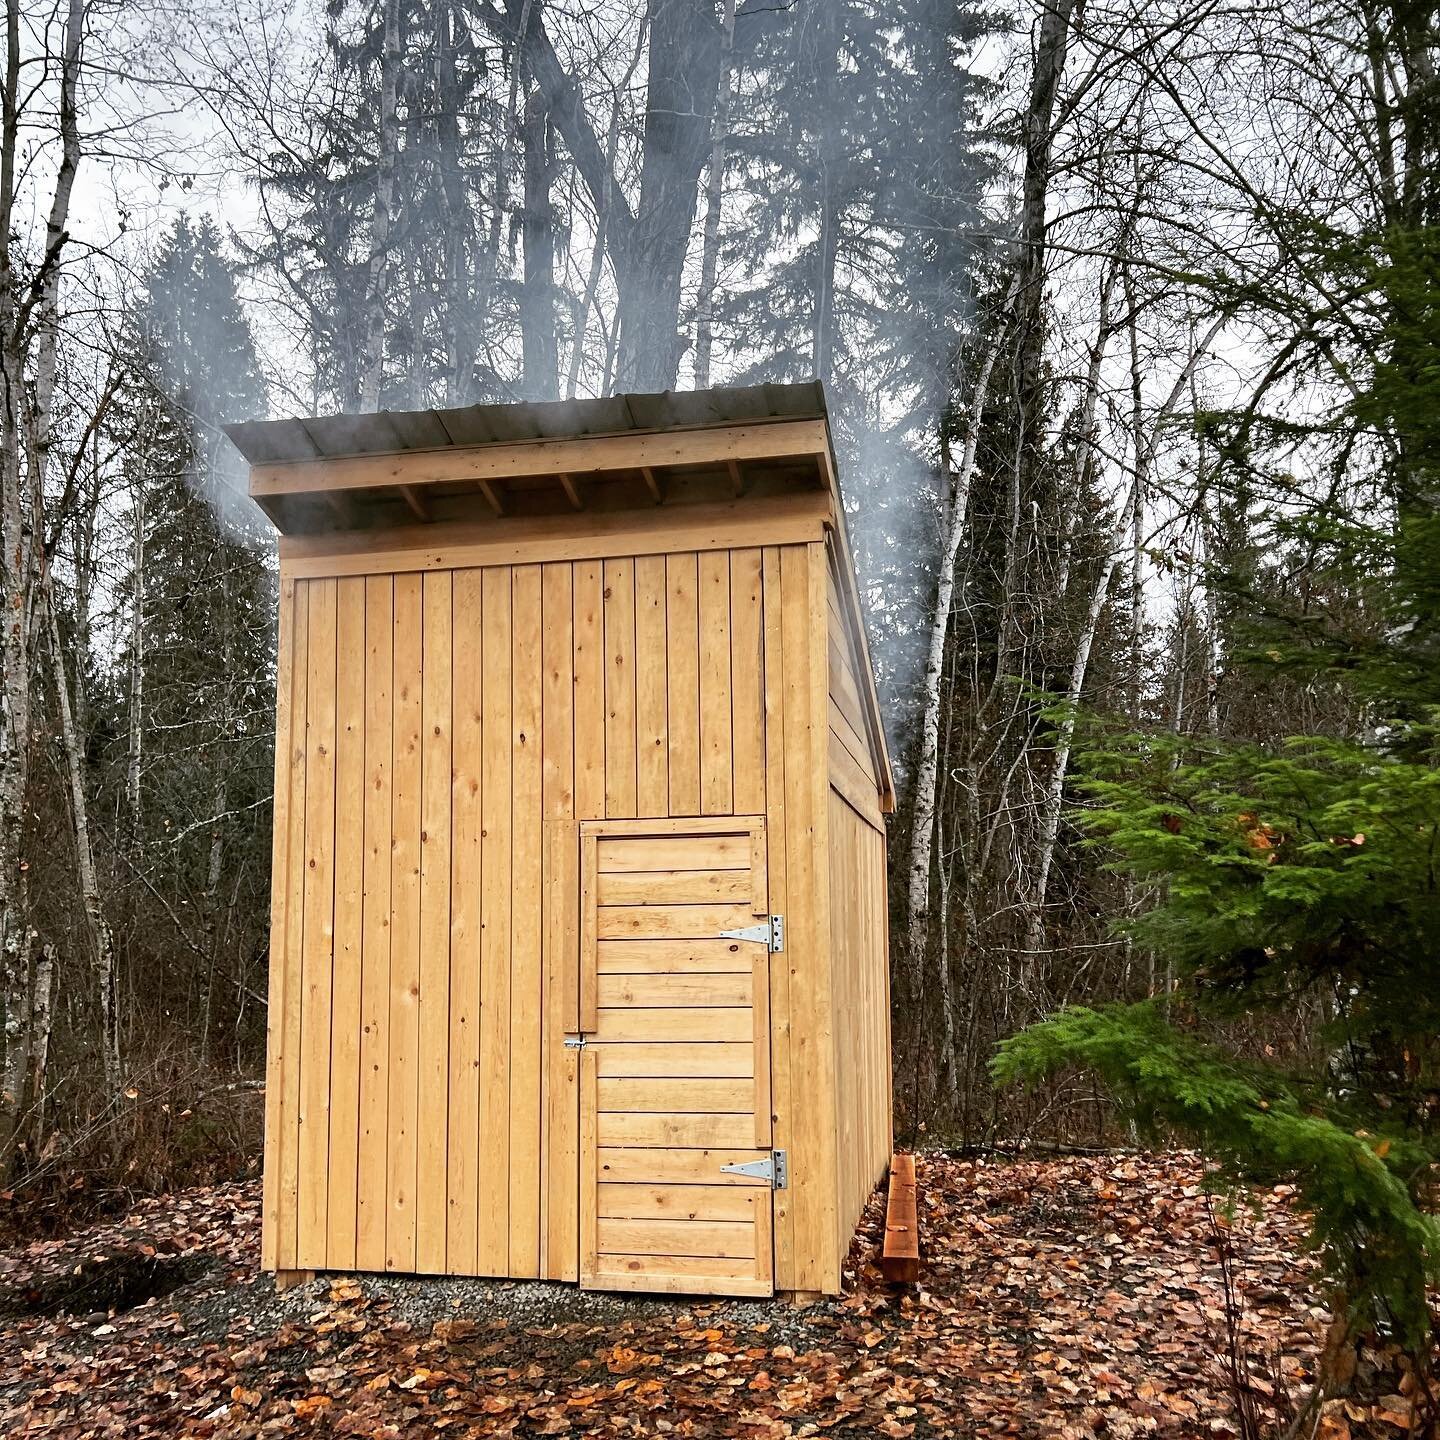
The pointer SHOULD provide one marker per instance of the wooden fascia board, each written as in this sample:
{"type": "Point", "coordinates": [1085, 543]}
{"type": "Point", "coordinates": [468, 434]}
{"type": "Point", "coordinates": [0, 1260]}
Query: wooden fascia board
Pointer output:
{"type": "Point", "coordinates": [795, 518]}
{"type": "Point", "coordinates": [850, 590]}
{"type": "Point", "coordinates": [719, 445]}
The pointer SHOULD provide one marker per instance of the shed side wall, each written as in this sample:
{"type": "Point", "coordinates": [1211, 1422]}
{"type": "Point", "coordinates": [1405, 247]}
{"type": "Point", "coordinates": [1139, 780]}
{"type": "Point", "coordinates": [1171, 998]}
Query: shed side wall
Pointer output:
{"type": "Point", "coordinates": [439, 737]}
{"type": "Point", "coordinates": [862, 1008]}
{"type": "Point", "coordinates": [859, 930]}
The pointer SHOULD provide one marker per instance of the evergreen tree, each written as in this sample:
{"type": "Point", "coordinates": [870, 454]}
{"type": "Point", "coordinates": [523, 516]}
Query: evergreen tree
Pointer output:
{"type": "Point", "coordinates": [1303, 871]}
{"type": "Point", "coordinates": [195, 684]}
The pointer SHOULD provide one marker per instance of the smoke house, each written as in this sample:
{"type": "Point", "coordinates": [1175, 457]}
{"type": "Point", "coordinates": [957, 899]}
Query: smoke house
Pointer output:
{"type": "Point", "coordinates": [578, 946]}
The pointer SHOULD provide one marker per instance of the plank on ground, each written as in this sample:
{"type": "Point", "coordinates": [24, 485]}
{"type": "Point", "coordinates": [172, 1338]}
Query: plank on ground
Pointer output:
{"type": "Point", "coordinates": [900, 1254]}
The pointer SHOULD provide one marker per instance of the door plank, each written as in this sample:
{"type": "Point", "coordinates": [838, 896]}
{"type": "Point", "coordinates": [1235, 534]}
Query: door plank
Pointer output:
{"type": "Point", "coordinates": [679, 922]}
{"type": "Point", "coordinates": [679, 1202]}
{"type": "Point", "coordinates": [654, 1275]}
{"type": "Point", "coordinates": [677, 1239]}
{"type": "Point", "coordinates": [698, 1094]}
{"type": "Point", "coordinates": [677, 1167]}
{"type": "Point", "coordinates": [673, 1131]}
{"type": "Point", "coordinates": [651, 1025]}
{"type": "Point", "coordinates": [709, 852]}
{"type": "Point", "coordinates": [675, 887]}
{"type": "Point", "coordinates": [675, 1060]}
{"type": "Point", "coordinates": [669, 957]}
{"type": "Point", "coordinates": [674, 990]}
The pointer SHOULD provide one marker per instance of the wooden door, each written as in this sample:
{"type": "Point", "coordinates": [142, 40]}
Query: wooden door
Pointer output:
{"type": "Point", "coordinates": [676, 1063]}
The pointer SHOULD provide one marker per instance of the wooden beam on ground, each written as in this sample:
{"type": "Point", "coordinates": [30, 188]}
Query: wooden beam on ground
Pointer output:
{"type": "Point", "coordinates": [900, 1253]}
{"type": "Point", "coordinates": [652, 483]}
{"type": "Point", "coordinates": [572, 491]}
{"type": "Point", "coordinates": [493, 497]}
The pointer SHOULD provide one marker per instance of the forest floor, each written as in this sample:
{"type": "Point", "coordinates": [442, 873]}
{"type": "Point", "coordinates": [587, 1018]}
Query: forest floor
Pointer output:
{"type": "Point", "coordinates": [1066, 1296]}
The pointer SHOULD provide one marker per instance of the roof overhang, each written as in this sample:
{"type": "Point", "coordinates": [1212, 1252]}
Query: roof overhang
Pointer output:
{"type": "Point", "coordinates": [410, 485]}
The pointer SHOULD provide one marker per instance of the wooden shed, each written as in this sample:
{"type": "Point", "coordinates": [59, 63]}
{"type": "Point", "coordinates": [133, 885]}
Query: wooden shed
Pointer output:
{"type": "Point", "coordinates": [578, 950]}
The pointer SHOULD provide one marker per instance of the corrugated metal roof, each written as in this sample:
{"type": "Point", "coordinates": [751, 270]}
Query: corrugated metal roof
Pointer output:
{"type": "Point", "coordinates": [327, 437]}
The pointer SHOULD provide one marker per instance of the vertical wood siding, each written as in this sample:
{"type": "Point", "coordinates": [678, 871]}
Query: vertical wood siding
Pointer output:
{"type": "Point", "coordinates": [859, 946]}
{"type": "Point", "coordinates": [439, 739]}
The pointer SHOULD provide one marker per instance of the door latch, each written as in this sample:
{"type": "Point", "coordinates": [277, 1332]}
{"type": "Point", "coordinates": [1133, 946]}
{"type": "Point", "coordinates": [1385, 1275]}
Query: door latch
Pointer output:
{"type": "Point", "coordinates": [574, 1042]}
{"type": "Point", "coordinates": [773, 1168]}
{"type": "Point", "coordinates": [769, 933]}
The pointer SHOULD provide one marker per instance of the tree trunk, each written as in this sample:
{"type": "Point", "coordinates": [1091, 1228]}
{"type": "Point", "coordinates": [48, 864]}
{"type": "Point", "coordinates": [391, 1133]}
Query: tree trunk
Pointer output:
{"type": "Point", "coordinates": [28, 329]}
{"type": "Point", "coordinates": [457, 324]}
{"type": "Point", "coordinates": [135, 738]}
{"type": "Point", "coordinates": [540, 346]}
{"type": "Point", "coordinates": [922, 830]}
{"type": "Point", "coordinates": [1054, 791]}
{"type": "Point", "coordinates": [372, 363]}
{"type": "Point", "coordinates": [714, 196]}
{"type": "Point", "coordinates": [1038, 131]}
{"type": "Point", "coordinates": [102, 947]}
{"type": "Point", "coordinates": [683, 79]}
{"type": "Point", "coordinates": [16, 661]}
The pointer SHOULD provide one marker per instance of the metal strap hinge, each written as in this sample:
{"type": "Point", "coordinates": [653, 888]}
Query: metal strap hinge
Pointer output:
{"type": "Point", "coordinates": [769, 933]}
{"type": "Point", "coordinates": [773, 1169]}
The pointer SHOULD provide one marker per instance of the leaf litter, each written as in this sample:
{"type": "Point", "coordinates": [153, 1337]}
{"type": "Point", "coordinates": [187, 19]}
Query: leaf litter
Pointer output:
{"type": "Point", "coordinates": [1065, 1296]}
